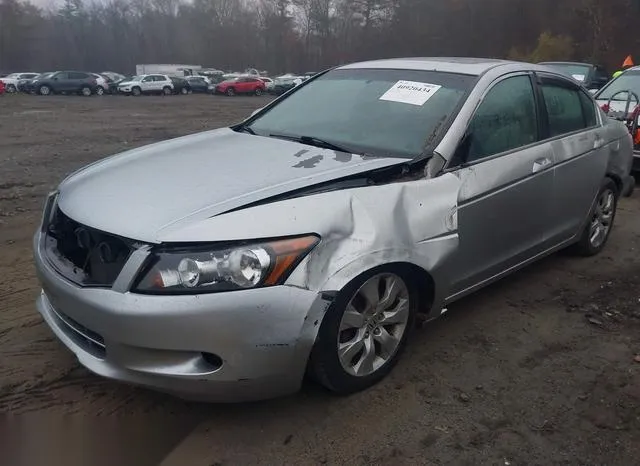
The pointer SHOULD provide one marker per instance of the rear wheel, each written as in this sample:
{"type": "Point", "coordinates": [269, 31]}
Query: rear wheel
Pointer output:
{"type": "Point", "coordinates": [100, 90]}
{"type": "Point", "coordinates": [184, 91]}
{"type": "Point", "coordinates": [258, 91]}
{"type": "Point", "coordinates": [166, 90]}
{"type": "Point", "coordinates": [85, 91]}
{"type": "Point", "coordinates": [11, 88]}
{"type": "Point", "coordinates": [598, 228]}
{"type": "Point", "coordinates": [364, 331]}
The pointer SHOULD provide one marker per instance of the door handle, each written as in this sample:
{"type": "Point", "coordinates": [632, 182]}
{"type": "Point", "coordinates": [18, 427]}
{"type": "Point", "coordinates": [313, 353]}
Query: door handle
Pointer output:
{"type": "Point", "coordinates": [541, 164]}
{"type": "Point", "coordinates": [598, 143]}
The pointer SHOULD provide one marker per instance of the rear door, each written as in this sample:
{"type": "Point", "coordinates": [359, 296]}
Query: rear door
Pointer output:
{"type": "Point", "coordinates": [577, 139]}
{"type": "Point", "coordinates": [507, 182]}
{"type": "Point", "coordinates": [78, 80]}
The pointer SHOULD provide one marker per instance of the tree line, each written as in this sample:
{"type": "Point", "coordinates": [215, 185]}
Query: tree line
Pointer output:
{"type": "Point", "coordinates": [309, 35]}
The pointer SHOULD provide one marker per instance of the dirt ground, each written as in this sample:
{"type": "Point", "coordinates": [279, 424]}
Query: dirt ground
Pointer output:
{"type": "Point", "coordinates": [539, 369]}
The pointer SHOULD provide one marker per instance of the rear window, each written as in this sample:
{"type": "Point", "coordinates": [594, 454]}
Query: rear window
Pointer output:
{"type": "Point", "coordinates": [379, 112]}
{"type": "Point", "coordinates": [576, 71]}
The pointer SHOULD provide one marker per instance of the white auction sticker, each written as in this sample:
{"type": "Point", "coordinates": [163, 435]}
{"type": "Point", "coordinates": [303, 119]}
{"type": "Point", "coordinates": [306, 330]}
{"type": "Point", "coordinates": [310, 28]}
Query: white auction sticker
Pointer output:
{"type": "Point", "coordinates": [410, 92]}
{"type": "Point", "coordinates": [578, 77]}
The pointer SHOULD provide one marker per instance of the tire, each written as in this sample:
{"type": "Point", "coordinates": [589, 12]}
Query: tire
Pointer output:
{"type": "Point", "coordinates": [184, 91]}
{"type": "Point", "coordinates": [258, 92]}
{"type": "Point", "coordinates": [100, 90]}
{"type": "Point", "coordinates": [230, 92]}
{"type": "Point", "coordinates": [136, 91]}
{"type": "Point", "coordinates": [11, 89]}
{"type": "Point", "coordinates": [44, 90]}
{"type": "Point", "coordinates": [601, 218]}
{"type": "Point", "coordinates": [85, 91]}
{"type": "Point", "coordinates": [167, 90]}
{"type": "Point", "coordinates": [363, 331]}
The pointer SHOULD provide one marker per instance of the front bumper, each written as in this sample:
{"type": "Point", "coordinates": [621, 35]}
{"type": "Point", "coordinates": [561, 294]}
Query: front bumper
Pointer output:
{"type": "Point", "coordinates": [234, 346]}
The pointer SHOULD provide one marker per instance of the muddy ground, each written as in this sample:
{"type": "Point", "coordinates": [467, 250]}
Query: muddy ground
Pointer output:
{"type": "Point", "coordinates": [536, 370]}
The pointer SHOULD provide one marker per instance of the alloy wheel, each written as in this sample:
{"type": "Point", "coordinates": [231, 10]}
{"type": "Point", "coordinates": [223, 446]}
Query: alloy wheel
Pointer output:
{"type": "Point", "coordinates": [602, 218]}
{"type": "Point", "coordinates": [373, 324]}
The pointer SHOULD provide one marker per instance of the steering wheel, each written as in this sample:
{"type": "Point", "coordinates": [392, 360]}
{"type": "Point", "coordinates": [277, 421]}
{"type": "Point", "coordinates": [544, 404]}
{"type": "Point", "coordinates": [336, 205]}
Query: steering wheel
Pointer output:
{"type": "Point", "coordinates": [630, 95]}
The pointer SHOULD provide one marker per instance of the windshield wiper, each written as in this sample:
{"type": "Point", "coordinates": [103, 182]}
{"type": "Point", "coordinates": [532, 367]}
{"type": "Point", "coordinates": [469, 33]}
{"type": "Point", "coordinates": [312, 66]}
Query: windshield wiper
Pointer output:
{"type": "Point", "coordinates": [245, 129]}
{"type": "Point", "coordinates": [313, 141]}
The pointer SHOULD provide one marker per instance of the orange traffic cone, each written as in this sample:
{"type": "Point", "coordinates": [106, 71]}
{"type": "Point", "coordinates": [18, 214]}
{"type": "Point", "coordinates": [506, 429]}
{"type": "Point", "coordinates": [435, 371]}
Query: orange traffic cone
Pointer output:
{"type": "Point", "coordinates": [628, 62]}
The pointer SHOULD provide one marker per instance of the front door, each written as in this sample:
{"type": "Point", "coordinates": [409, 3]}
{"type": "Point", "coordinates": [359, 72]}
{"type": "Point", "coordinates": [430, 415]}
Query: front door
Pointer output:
{"type": "Point", "coordinates": [507, 183]}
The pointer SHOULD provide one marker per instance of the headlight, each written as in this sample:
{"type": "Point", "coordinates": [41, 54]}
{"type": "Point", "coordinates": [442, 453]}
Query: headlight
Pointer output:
{"type": "Point", "coordinates": [210, 269]}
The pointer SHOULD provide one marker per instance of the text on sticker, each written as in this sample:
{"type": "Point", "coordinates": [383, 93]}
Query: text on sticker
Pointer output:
{"type": "Point", "coordinates": [410, 92]}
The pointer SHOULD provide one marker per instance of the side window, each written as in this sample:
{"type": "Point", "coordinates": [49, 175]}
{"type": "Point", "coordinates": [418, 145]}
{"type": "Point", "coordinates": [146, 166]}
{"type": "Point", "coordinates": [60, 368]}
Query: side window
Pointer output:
{"type": "Point", "coordinates": [564, 108]}
{"type": "Point", "coordinates": [61, 76]}
{"type": "Point", "coordinates": [77, 76]}
{"type": "Point", "coordinates": [505, 120]}
{"type": "Point", "coordinates": [147, 79]}
{"type": "Point", "coordinates": [588, 110]}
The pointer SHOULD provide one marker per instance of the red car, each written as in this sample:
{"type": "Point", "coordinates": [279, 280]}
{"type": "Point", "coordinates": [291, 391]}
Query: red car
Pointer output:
{"type": "Point", "coordinates": [1, 87]}
{"type": "Point", "coordinates": [241, 85]}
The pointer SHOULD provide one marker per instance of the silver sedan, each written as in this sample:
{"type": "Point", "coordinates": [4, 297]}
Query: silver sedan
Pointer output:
{"type": "Point", "coordinates": [228, 264]}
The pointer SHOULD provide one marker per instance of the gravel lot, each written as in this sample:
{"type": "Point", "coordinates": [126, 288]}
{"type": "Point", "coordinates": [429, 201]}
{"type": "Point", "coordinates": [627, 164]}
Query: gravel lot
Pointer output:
{"type": "Point", "coordinates": [541, 368]}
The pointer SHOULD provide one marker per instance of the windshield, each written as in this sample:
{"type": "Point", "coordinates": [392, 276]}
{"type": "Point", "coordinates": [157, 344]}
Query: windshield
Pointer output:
{"type": "Point", "coordinates": [136, 78]}
{"type": "Point", "coordinates": [578, 72]}
{"type": "Point", "coordinates": [13, 75]}
{"type": "Point", "coordinates": [629, 81]}
{"type": "Point", "coordinates": [395, 113]}
{"type": "Point", "coordinates": [46, 75]}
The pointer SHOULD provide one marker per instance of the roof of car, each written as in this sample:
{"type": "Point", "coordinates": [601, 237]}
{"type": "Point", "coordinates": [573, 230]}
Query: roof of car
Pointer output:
{"type": "Point", "coordinates": [471, 66]}
{"type": "Point", "coordinates": [565, 63]}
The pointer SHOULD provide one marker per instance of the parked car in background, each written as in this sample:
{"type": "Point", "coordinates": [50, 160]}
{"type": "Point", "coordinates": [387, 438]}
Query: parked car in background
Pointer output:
{"type": "Point", "coordinates": [26, 85]}
{"type": "Point", "coordinates": [283, 84]}
{"type": "Point", "coordinates": [11, 81]}
{"type": "Point", "coordinates": [102, 84]}
{"type": "Point", "coordinates": [147, 84]}
{"type": "Point", "coordinates": [65, 82]}
{"type": "Point", "coordinates": [592, 77]}
{"type": "Point", "coordinates": [620, 99]}
{"type": "Point", "coordinates": [180, 85]}
{"type": "Point", "coordinates": [228, 264]}
{"type": "Point", "coordinates": [115, 77]}
{"type": "Point", "coordinates": [2, 87]}
{"type": "Point", "coordinates": [241, 85]}
{"type": "Point", "coordinates": [268, 83]}
{"type": "Point", "coordinates": [199, 84]}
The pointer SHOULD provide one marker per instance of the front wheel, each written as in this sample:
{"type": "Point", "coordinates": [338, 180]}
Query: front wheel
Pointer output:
{"type": "Point", "coordinates": [44, 90]}
{"type": "Point", "coordinates": [136, 91]}
{"type": "Point", "coordinates": [184, 91]}
{"type": "Point", "coordinates": [258, 92]}
{"type": "Point", "coordinates": [597, 230]}
{"type": "Point", "coordinates": [364, 331]}
{"type": "Point", "coordinates": [11, 89]}
{"type": "Point", "coordinates": [231, 92]}
{"type": "Point", "coordinates": [100, 90]}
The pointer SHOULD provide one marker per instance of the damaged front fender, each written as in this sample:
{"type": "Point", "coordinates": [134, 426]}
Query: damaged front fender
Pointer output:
{"type": "Point", "coordinates": [412, 222]}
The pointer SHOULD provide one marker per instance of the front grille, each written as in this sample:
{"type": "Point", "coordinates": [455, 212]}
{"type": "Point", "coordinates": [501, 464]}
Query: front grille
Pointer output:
{"type": "Point", "coordinates": [82, 254]}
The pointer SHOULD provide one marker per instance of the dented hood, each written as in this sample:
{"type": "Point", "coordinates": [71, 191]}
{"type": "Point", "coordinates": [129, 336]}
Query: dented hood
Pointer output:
{"type": "Point", "coordinates": [139, 193]}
